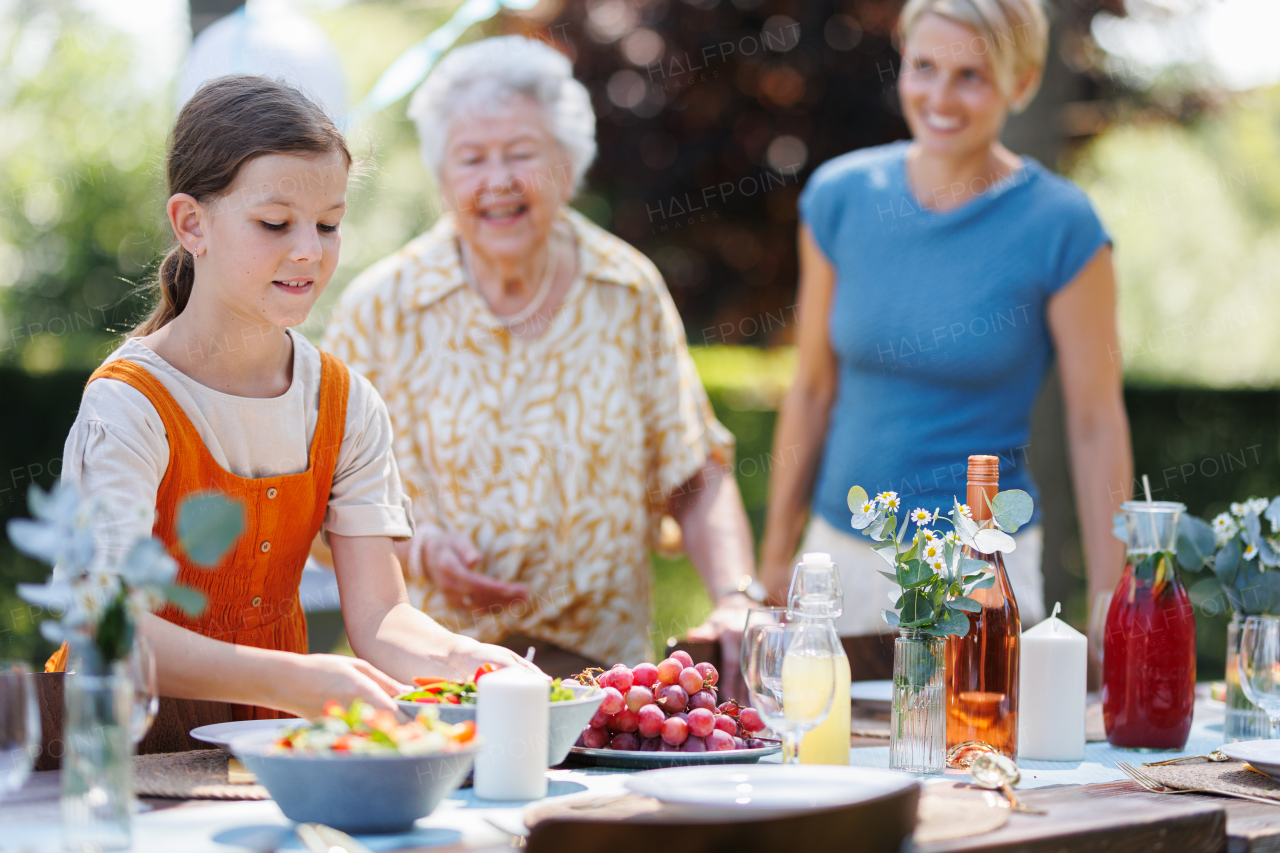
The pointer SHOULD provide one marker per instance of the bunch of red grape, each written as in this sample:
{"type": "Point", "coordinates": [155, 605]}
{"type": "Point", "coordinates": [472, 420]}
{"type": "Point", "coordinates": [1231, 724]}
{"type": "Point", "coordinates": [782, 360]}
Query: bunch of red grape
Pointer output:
{"type": "Point", "coordinates": [670, 707]}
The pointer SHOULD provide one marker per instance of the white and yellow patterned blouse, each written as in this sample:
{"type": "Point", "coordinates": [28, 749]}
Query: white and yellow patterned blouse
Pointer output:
{"type": "Point", "coordinates": [555, 455]}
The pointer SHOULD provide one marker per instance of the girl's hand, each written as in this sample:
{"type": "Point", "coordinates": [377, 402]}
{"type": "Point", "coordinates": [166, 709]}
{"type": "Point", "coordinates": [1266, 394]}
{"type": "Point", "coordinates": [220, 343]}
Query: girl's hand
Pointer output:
{"type": "Point", "coordinates": [318, 678]}
{"type": "Point", "coordinates": [447, 560]}
{"type": "Point", "coordinates": [469, 655]}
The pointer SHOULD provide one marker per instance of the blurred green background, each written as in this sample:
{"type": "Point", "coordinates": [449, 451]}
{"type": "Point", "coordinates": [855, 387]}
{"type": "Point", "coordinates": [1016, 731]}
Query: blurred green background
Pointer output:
{"type": "Point", "coordinates": [1190, 195]}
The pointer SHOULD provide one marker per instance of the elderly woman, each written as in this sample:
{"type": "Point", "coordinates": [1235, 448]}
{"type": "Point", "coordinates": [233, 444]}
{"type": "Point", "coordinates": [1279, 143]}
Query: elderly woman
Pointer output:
{"type": "Point", "coordinates": [938, 279]}
{"type": "Point", "coordinates": [547, 413]}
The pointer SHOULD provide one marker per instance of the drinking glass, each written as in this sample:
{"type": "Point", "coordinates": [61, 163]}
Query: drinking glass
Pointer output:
{"type": "Point", "coordinates": [1259, 664]}
{"type": "Point", "coordinates": [757, 617]}
{"type": "Point", "coordinates": [141, 669]}
{"type": "Point", "coordinates": [815, 588]}
{"type": "Point", "coordinates": [791, 675]}
{"type": "Point", "coordinates": [19, 725]}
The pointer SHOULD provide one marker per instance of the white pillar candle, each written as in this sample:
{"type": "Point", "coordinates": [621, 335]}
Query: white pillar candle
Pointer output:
{"type": "Point", "coordinates": [1051, 692]}
{"type": "Point", "coordinates": [512, 705]}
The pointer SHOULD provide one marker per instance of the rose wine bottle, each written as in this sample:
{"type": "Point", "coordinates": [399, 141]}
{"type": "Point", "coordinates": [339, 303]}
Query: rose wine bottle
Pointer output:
{"type": "Point", "coordinates": [982, 666]}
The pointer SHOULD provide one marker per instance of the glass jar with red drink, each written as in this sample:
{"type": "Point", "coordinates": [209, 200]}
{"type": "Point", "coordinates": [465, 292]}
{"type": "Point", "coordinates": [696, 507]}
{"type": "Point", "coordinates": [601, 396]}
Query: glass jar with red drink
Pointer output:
{"type": "Point", "coordinates": [1149, 646]}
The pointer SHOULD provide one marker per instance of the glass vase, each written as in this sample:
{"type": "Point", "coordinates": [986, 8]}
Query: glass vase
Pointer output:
{"type": "Point", "coordinates": [918, 731]}
{"type": "Point", "coordinates": [97, 764]}
{"type": "Point", "coordinates": [1242, 719]}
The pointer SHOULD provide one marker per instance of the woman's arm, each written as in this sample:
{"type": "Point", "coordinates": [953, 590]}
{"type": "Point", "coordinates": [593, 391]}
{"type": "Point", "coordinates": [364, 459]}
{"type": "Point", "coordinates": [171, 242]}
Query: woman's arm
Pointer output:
{"type": "Point", "coordinates": [802, 422]}
{"type": "Point", "coordinates": [717, 535]}
{"type": "Point", "coordinates": [1082, 319]}
{"type": "Point", "coordinates": [389, 632]}
{"type": "Point", "coordinates": [192, 666]}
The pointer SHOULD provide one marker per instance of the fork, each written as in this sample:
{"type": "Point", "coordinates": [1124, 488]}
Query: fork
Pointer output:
{"type": "Point", "coordinates": [1150, 784]}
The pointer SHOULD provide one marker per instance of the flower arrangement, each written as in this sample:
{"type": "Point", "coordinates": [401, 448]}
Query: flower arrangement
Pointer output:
{"type": "Point", "coordinates": [930, 568]}
{"type": "Point", "coordinates": [97, 599]}
{"type": "Point", "coordinates": [1243, 558]}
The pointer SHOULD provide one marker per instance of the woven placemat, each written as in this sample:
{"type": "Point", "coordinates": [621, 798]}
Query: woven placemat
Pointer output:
{"type": "Point", "coordinates": [198, 775]}
{"type": "Point", "coordinates": [1220, 777]}
{"type": "Point", "coordinates": [942, 814]}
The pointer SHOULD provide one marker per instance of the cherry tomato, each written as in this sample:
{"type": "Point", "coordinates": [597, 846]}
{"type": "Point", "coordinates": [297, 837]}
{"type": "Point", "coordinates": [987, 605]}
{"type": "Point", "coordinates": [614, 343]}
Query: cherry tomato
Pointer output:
{"type": "Point", "coordinates": [485, 669]}
{"type": "Point", "coordinates": [427, 700]}
{"type": "Point", "coordinates": [426, 680]}
{"type": "Point", "coordinates": [453, 699]}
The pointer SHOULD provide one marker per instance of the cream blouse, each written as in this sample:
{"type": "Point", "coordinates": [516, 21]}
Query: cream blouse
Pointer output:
{"type": "Point", "coordinates": [117, 450]}
{"type": "Point", "coordinates": [556, 454]}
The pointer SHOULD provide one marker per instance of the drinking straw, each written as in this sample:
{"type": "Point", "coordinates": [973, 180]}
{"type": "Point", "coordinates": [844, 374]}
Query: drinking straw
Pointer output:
{"type": "Point", "coordinates": [1155, 534]}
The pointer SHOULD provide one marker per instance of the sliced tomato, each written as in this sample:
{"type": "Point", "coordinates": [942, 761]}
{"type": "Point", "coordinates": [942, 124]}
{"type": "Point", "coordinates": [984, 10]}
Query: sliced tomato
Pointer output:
{"type": "Point", "coordinates": [427, 700]}
{"type": "Point", "coordinates": [453, 699]}
{"type": "Point", "coordinates": [427, 680]}
{"type": "Point", "coordinates": [485, 669]}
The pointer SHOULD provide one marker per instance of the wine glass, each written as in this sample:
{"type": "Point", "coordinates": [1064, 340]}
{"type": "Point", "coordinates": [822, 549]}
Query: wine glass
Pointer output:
{"type": "Point", "coordinates": [19, 725]}
{"type": "Point", "coordinates": [141, 668]}
{"type": "Point", "coordinates": [1259, 664]}
{"type": "Point", "coordinates": [791, 674]}
{"type": "Point", "coordinates": [757, 617]}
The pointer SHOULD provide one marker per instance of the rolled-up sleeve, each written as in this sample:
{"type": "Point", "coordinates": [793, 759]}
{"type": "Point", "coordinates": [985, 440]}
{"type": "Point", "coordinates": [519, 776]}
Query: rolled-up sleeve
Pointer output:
{"type": "Point", "coordinates": [367, 498]}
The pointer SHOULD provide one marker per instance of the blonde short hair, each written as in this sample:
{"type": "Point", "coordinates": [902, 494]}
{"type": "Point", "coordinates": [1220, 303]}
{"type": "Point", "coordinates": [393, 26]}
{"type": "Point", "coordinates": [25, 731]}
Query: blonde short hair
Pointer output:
{"type": "Point", "coordinates": [1016, 32]}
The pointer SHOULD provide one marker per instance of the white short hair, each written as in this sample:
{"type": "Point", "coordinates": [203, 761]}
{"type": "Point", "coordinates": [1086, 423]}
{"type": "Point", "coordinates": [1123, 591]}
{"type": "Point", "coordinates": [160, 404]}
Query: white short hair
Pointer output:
{"type": "Point", "coordinates": [1016, 32]}
{"type": "Point", "coordinates": [493, 70]}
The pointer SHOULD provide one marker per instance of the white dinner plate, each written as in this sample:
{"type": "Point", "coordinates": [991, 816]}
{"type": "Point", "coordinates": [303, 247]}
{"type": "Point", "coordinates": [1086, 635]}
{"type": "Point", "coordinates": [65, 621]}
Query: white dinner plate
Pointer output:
{"type": "Point", "coordinates": [768, 787]}
{"type": "Point", "coordinates": [221, 734]}
{"type": "Point", "coordinates": [1264, 755]}
{"type": "Point", "coordinates": [872, 692]}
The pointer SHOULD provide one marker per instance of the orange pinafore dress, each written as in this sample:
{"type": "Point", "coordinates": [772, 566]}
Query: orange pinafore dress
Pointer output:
{"type": "Point", "coordinates": [252, 595]}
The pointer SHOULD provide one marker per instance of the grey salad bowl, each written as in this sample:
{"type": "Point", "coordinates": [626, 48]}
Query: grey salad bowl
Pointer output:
{"type": "Point", "coordinates": [356, 794]}
{"type": "Point", "coordinates": [566, 720]}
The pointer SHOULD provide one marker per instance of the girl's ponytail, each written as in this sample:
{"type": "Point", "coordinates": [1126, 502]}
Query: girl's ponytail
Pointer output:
{"type": "Point", "coordinates": [174, 280]}
{"type": "Point", "coordinates": [227, 123]}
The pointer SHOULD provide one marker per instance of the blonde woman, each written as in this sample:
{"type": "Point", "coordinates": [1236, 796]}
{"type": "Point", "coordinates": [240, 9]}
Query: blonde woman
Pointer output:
{"type": "Point", "coordinates": [939, 278]}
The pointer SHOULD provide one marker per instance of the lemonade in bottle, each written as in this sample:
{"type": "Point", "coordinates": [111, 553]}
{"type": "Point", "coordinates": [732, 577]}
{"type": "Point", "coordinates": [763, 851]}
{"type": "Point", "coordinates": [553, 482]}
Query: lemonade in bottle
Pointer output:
{"type": "Point", "coordinates": [816, 594]}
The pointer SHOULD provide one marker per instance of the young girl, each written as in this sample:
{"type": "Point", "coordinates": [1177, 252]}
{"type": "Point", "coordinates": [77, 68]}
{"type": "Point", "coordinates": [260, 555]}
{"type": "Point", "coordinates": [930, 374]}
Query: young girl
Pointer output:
{"type": "Point", "coordinates": [213, 391]}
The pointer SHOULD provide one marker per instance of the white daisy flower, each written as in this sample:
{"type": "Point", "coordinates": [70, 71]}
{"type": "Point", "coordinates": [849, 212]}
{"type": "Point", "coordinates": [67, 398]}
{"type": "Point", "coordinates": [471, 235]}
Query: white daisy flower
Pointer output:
{"type": "Point", "coordinates": [950, 538]}
{"type": "Point", "coordinates": [1237, 509]}
{"type": "Point", "coordinates": [926, 535]}
{"type": "Point", "coordinates": [1258, 505]}
{"type": "Point", "coordinates": [931, 550]}
{"type": "Point", "coordinates": [1224, 527]}
{"type": "Point", "coordinates": [889, 501]}
{"type": "Point", "coordinates": [1250, 553]}
{"type": "Point", "coordinates": [921, 516]}
{"type": "Point", "coordinates": [964, 510]}
{"type": "Point", "coordinates": [868, 507]}
{"type": "Point", "coordinates": [937, 564]}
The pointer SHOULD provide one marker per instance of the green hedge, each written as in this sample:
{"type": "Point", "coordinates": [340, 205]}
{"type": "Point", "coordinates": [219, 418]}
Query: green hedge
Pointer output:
{"type": "Point", "coordinates": [1203, 447]}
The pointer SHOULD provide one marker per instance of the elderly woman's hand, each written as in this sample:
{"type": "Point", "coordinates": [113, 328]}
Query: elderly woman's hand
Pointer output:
{"type": "Point", "coordinates": [446, 559]}
{"type": "Point", "coordinates": [725, 624]}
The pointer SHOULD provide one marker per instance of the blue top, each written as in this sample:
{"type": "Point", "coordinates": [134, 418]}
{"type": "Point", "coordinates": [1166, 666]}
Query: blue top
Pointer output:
{"type": "Point", "coordinates": [938, 323]}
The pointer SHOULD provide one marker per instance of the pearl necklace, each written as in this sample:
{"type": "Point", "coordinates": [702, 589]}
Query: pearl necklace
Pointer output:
{"type": "Point", "coordinates": [528, 311]}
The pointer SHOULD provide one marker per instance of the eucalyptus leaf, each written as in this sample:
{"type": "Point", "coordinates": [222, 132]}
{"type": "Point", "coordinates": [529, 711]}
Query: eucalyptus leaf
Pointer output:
{"type": "Point", "coordinates": [1272, 513]}
{"type": "Point", "coordinates": [917, 574]}
{"type": "Point", "coordinates": [1266, 554]}
{"type": "Point", "coordinates": [890, 617]}
{"type": "Point", "coordinates": [1252, 528]}
{"type": "Point", "coordinates": [888, 553]}
{"type": "Point", "coordinates": [970, 567]}
{"type": "Point", "coordinates": [966, 604]}
{"type": "Point", "coordinates": [208, 525]}
{"type": "Point", "coordinates": [916, 606]}
{"type": "Point", "coordinates": [955, 622]}
{"type": "Point", "coordinates": [1012, 509]}
{"type": "Point", "coordinates": [1226, 563]}
{"type": "Point", "coordinates": [985, 582]}
{"type": "Point", "coordinates": [36, 539]}
{"type": "Point", "coordinates": [189, 601]}
{"type": "Point", "coordinates": [990, 540]}
{"type": "Point", "coordinates": [965, 527]}
{"type": "Point", "coordinates": [889, 576]}
{"type": "Point", "coordinates": [857, 497]}
{"type": "Point", "coordinates": [1196, 543]}
{"type": "Point", "coordinates": [1262, 594]}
